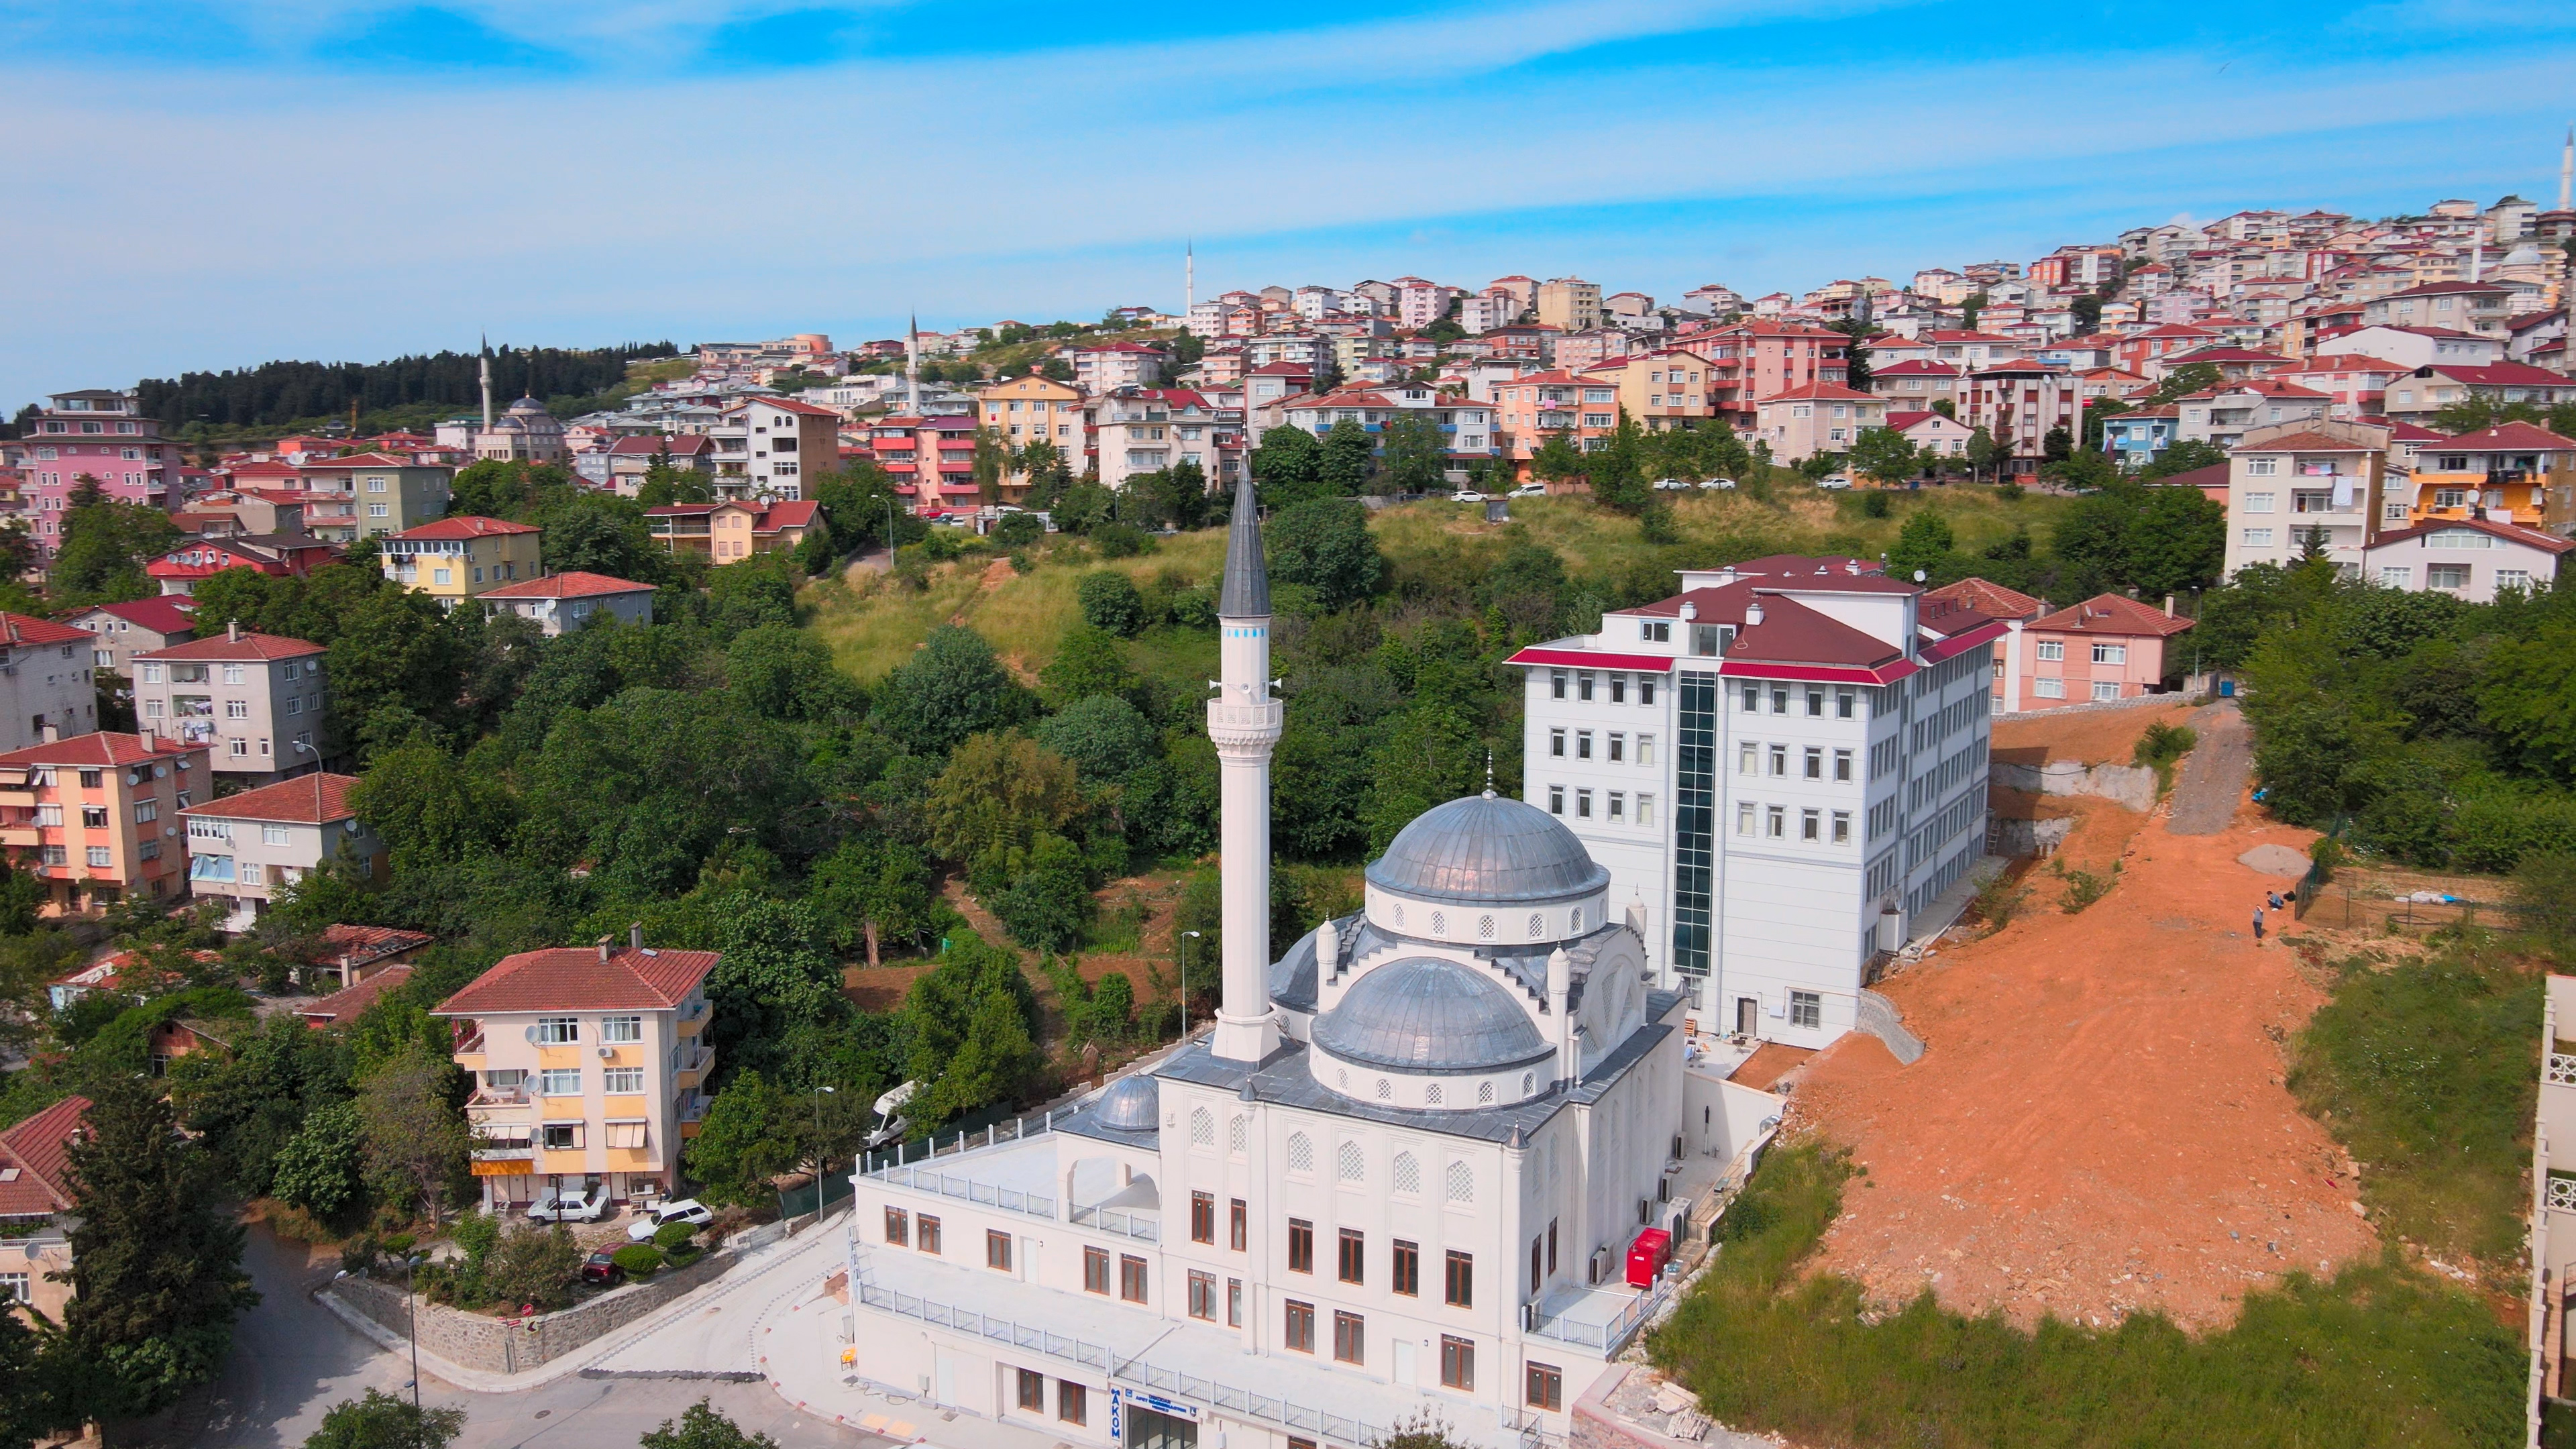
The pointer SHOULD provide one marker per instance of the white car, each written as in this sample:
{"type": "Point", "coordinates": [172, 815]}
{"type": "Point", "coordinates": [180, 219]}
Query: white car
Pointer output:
{"type": "Point", "coordinates": [687, 1210]}
{"type": "Point", "coordinates": [1529, 490]}
{"type": "Point", "coordinates": [1671, 485]}
{"type": "Point", "coordinates": [1718, 483]}
{"type": "Point", "coordinates": [1466, 495]}
{"type": "Point", "coordinates": [575, 1206]}
{"type": "Point", "coordinates": [1833, 481]}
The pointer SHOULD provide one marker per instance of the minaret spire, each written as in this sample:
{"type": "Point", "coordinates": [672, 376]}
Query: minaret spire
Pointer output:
{"type": "Point", "coordinates": [2567, 173]}
{"type": "Point", "coordinates": [1244, 724]}
{"type": "Point", "coordinates": [485, 357]}
{"type": "Point", "coordinates": [912, 366]}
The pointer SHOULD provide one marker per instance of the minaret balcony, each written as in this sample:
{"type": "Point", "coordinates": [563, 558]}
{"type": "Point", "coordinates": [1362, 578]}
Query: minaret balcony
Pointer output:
{"type": "Point", "coordinates": [1264, 719]}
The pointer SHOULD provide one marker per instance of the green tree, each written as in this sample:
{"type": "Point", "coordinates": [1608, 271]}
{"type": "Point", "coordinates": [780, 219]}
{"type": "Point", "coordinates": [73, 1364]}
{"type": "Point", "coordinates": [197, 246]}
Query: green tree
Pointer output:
{"type": "Point", "coordinates": [1556, 460]}
{"type": "Point", "coordinates": [866, 891]}
{"type": "Point", "coordinates": [322, 1168]}
{"type": "Point", "coordinates": [2184, 456]}
{"type": "Point", "coordinates": [784, 673]}
{"type": "Point", "coordinates": [31, 1383]}
{"type": "Point", "coordinates": [2185, 380]}
{"type": "Point", "coordinates": [533, 1266]}
{"type": "Point", "coordinates": [971, 1027]}
{"type": "Point", "coordinates": [950, 688]}
{"type": "Point", "coordinates": [156, 1266]}
{"type": "Point", "coordinates": [1325, 545]}
{"type": "Point", "coordinates": [1349, 459]}
{"type": "Point", "coordinates": [701, 1427]}
{"type": "Point", "coordinates": [1288, 467]}
{"type": "Point", "coordinates": [1000, 792]}
{"type": "Point", "coordinates": [415, 1139]}
{"type": "Point", "coordinates": [105, 544]}
{"type": "Point", "coordinates": [381, 1421]}
{"type": "Point", "coordinates": [1884, 454]}
{"type": "Point", "coordinates": [744, 1141]}
{"type": "Point", "coordinates": [1089, 663]}
{"type": "Point", "coordinates": [1983, 452]}
{"type": "Point", "coordinates": [775, 977]}
{"type": "Point", "coordinates": [1924, 543]}
{"type": "Point", "coordinates": [1413, 453]}
{"type": "Point", "coordinates": [1110, 603]}
{"type": "Point", "coordinates": [394, 668]}
{"type": "Point", "coordinates": [1048, 902]}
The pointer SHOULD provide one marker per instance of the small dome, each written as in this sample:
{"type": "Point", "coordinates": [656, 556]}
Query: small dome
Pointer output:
{"type": "Point", "coordinates": [2525, 255]}
{"type": "Point", "coordinates": [527, 405]}
{"type": "Point", "coordinates": [1423, 1014]}
{"type": "Point", "coordinates": [1487, 848]}
{"type": "Point", "coordinates": [1130, 1105]}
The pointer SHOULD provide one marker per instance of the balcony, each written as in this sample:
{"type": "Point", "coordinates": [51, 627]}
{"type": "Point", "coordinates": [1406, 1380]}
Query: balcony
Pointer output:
{"type": "Point", "coordinates": [497, 1097]}
{"type": "Point", "coordinates": [691, 1107]}
{"type": "Point", "coordinates": [695, 1060]}
{"type": "Point", "coordinates": [27, 835]}
{"type": "Point", "coordinates": [470, 1044]}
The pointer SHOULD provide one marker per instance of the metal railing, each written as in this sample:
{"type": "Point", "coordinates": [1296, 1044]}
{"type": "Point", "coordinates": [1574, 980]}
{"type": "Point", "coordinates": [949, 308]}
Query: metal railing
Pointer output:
{"type": "Point", "coordinates": [967, 1189]}
{"type": "Point", "coordinates": [498, 1097]}
{"type": "Point", "coordinates": [2561, 1071]}
{"type": "Point", "coordinates": [1125, 1224]}
{"type": "Point", "coordinates": [1612, 1336]}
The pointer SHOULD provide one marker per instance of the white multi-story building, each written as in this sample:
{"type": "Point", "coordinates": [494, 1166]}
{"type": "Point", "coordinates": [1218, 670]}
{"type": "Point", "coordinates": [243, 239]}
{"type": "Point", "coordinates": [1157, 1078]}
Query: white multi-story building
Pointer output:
{"type": "Point", "coordinates": [1403, 1172]}
{"type": "Point", "coordinates": [1783, 767]}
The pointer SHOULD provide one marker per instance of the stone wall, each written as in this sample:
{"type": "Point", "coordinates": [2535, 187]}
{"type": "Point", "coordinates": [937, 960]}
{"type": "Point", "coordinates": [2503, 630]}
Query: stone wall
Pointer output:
{"type": "Point", "coordinates": [476, 1341]}
{"type": "Point", "coordinates": [2130, 785]}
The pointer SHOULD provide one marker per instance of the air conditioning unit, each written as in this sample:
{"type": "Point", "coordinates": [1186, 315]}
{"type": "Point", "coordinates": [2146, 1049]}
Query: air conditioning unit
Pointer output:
{"type": "Point", "coordinates": [1597, 1267]}
{"type": "Point", "coordinates": [607, 1052]}
{"type": "Point", "coordinates": [1645, 1211]}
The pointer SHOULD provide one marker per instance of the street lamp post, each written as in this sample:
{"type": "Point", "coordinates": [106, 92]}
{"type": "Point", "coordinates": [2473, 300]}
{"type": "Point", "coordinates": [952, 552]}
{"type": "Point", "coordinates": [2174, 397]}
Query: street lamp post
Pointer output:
{"type": "Point", "coordinates": [411, 1302]}
{"type": "Point", "coordinates": [1186, 938]}
{"type": "Point", "coordinates": [819, 1090]}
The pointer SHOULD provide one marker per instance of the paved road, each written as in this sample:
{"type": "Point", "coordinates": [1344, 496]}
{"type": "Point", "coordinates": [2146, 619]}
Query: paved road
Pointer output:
{"type": "Point", "coordinates": [2214, 777]}
{"type": "Point", "coordinates": [292, 1359]}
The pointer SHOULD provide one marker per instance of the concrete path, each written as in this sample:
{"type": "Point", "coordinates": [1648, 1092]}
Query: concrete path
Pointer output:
{"type": "Point", "coordinates": [2215, 774]}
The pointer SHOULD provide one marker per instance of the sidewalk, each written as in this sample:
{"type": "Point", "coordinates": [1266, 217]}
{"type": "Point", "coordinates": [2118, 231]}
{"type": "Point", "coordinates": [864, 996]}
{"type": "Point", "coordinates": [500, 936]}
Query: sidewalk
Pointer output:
{"type": "Point", "coordinates": [800, 1349]}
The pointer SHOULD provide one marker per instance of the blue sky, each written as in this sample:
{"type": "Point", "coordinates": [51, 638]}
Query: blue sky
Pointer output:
{"type": "Point", "coordinates": [203, 185]}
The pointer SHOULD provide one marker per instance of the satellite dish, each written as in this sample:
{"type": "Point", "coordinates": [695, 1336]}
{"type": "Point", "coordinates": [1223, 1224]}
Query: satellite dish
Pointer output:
{"type": "Point", "coordinates": [1918, 576]}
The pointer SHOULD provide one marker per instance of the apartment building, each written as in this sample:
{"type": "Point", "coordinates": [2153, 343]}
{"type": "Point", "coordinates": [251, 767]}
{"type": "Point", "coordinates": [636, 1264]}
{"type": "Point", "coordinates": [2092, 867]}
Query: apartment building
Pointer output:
{"type": "Point", "coordinates": [1113, 365]}
{"type": "Point", "coordinates": [48, 680]}
{"type": "Point", "coordinates": [96, 433]}
{"type": "Point", "coordinates": [2479, 307]}
{"type": "Point", "coordinates": [36, 1209]}
{"type": "Point", "coordinates": [1569, 304]}
{"type": "Point", "coordinates": [2019, 404]}
{"type": "Point", "coordinates": [95, 818]}
{"type": "Point", "coordinates": [1764, 358]}
{"type": "Point", "coordinates": [1821, 417]}
{"type": "Point", "coordinates": [1466, 426]}
{"type": "Point", "coordinates": [2288, 488]}
{"type": "Point", "coordinates": [932, 459]}
{"type": "Point", "coordinates": [2107, 648]}
{"type": "Point", "coordinates": [118, 632]}
{"type": "Point", "coordinates": [279, 555]}
{"type": "Point", "coordinates": [1783, 767]}
{"type": "Point", "coordinates": [1534, 406]}
{"type": "Point", "coordinates": [589, 1067]}
{"type": "Point", "coordinates": [2516, 473]}
{"type": "Point", "coordinates": [631, 459]}
{"type": "Point", "coordinates": [765, 447]}
{"type": "Point", "coordinates": [2474, 559]}
{"type": "Point", "coordinates": [459, 558]}
{"type": "Point", "coordinates": [257, 702]}
{"type": "Point", "coordinates": [2421, 394]}
{"type": "Point", "coordinates": [242, 848]}
{"type": "Point", "coordinates": [377, 494]}
{"type": "Point", "coordinates": [1662, 390]}
{"type": "Point", "coordinates": [1026, 410]}
{"type": "Point", "coordinates": [2223, 415]}
{"type": "Point", "coordinates": [1915, 385]}
{"type": "Point", "coordinates": [1147, 429]}
{"type": "Point", "coordinates": [727, 532]}
{"type": "Point", "coordinates": [559, 603]}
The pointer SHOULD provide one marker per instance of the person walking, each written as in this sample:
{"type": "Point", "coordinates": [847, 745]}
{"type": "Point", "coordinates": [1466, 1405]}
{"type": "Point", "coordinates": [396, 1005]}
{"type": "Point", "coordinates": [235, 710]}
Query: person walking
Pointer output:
{"type": "Point", "coordinates": [2258, 925]}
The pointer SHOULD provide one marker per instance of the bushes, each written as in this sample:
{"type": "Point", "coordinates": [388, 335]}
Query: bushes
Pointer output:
{"type": "Point", "coordinates": [1110, 603]}
{"type": "Point", "coordinates": [639, 1260]}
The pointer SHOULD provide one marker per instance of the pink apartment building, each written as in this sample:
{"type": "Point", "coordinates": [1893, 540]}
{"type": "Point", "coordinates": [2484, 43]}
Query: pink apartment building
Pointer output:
{"type": "Point", "coordinates": [98, 433]}
{"type": "Point", "coordinates": [2108, 647]}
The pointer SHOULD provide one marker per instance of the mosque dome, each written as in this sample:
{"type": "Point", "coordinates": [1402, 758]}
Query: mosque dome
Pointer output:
{"type": "Point", "coordinates": [527, 405]}
{"type": "Point", "coordinates": [2525, 255]}
{"type": "Point", "coordinates": [1487, 849]}
{"type": "Point", "coordinates": [1132, 1104]}
{"type": "Point", "coordinates": [1426, 1015]}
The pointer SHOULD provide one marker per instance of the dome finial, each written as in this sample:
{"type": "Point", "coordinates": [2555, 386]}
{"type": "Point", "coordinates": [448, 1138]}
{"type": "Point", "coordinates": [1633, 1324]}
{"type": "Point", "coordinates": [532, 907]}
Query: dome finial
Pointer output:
{"type": "Point", "coordinates": [1489, 774]}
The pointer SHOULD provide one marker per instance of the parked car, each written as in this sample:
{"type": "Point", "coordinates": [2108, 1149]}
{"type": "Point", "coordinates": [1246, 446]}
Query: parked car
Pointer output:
{"type": "Point", "coordinates": [579, 1205]}
{"type": "Point", "coordinates": [1718, 483]}
{"type": "Point", "coordinates": [601, 1267]}
{"type": "Point", "coordinates": [1529, 490]}
{"type": "Point", "coordinates": [1834, 481]}
{"type": "Point", "coordinates": [1671, 485]}
{"type": "Point", "coordinates": [1466, 495]}
{"type": "Point", "coordinates": [687, 1210]}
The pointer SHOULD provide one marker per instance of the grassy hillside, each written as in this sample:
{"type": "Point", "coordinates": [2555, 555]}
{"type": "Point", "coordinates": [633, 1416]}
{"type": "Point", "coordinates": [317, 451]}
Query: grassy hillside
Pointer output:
{"type": "Point", "coordinates": [872, 623]}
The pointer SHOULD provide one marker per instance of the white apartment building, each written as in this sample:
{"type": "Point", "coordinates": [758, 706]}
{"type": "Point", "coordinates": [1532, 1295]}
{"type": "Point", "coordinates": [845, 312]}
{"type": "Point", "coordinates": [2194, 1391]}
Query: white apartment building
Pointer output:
{"type": "Point", "coordinates": [1783, 766]}
{"type": "Point", "coordinates": [1146, 429]}
{"type": "Point", "coordinates": [2223, 415]}
{"type": "Point", "coordinates": [767, 446]}
{"type": "Point", "coordinates": [1114, 365]}
{"type": "Point", "coordinates": [2297, 485]}
{"type": "Point", "coordinates": [257, 702]}
{"type": "Point", "coordinates": [589, 1068]}
{"type": "Point", "coordinates": [47, 680]}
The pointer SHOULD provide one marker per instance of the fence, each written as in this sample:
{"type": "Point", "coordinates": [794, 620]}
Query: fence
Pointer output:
{"type": "Point", "coordinates": [819, 1196]}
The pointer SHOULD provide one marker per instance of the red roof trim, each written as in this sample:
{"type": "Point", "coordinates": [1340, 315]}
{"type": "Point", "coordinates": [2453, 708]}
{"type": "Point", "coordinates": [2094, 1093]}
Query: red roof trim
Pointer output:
{"type": "Point", "coordinates": [1587, 659]}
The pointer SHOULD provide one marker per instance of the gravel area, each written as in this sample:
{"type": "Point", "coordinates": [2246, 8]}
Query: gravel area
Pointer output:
{"type": "Point", "coordinates": [2214, 775]}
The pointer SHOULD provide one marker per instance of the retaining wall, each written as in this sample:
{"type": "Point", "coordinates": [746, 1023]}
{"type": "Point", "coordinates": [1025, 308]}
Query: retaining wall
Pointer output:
{"type": "Point", "coordinates": [2130, 785]}
{"type": "Point", "coordinates": [475, 1341]}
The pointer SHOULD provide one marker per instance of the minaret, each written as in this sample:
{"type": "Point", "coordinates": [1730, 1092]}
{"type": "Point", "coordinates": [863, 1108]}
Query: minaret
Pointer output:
{"type": "Point", "coordinates": [912, 366]}
{"type": "Point", "coordinates": [486, 361]}
{"type": "Point", "coordinates": [2567, 172]}
{"type": "Point", "coordinates": [1244, 722]}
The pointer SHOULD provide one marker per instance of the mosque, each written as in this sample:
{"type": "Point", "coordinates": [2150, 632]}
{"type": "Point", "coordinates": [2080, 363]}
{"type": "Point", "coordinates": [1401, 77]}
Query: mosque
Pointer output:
{"type": "Point", "coordinates": [1404, 1170]}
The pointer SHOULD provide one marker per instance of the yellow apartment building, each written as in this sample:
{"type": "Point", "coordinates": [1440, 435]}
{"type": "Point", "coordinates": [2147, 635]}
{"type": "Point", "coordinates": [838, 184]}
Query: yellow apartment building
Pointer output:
{"type": "Point", "coordinates": [455, 559]}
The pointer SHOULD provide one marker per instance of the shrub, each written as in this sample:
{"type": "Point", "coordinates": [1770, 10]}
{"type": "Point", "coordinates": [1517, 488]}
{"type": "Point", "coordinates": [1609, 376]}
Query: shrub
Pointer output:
{"type": "Point", "coordinates": [534, 1265]}
{"type": "Point", "coordinates": [1120, 540]}
{"type": "Point", "coordinates": [2162, 743]}
{"type": "Point", "coordinates": [2084, 887]}
{"type": "Point", "coordinates": [674, 1235]}
{"type": "Point", "coordinates": [359, 1253]}
{"type": "Point", "coordinates": [2544, 891]}
{"type": "Point", "coordinates": [1018, 530]}
{"type": "Point", "coordinates": [399, 1244]}
{"type": "Point", "coordinates": [2326, 853]}
{"type": "Point", "coordinates": [1110, 603]}
{"type": "Point", "coordinates": [1873, 504]}
{"type": "Point", "coordinates": [638, 1259]}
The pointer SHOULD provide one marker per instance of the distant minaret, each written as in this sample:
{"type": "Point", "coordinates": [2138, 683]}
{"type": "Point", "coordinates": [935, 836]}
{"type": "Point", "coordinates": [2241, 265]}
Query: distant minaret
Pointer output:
{"type": "Point", "coordinates": [912, 366]}
{"type": "Point", "coordinates": [1244, 722]}
{"type": "Point", "coordinates": [487, 381]}
{"type": "Point", "coordinates": [2567, 173]}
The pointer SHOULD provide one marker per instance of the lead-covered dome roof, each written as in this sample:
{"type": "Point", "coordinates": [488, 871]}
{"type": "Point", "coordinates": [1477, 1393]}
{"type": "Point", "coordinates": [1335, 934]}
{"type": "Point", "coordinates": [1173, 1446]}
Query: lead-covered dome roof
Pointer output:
{"type": "Point", "coordinates": [1132, 1104]}
{"type": "Point", "coordinates": [1423, 1014]}
{"type": "Point", "coordinates": [1486, 848]}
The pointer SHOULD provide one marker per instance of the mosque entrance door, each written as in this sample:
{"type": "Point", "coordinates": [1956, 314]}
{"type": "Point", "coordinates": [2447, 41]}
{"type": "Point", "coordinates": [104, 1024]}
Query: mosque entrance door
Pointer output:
{"type": "Point", "coordinates": [1147, 1429]}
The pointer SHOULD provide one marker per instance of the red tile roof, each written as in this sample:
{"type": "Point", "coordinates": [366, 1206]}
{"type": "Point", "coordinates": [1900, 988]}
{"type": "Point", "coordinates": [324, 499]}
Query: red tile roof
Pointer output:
{"type": "Point", "coordinates": [358, 945]}
{"type": "Point", "coordinates": [316, 799]}
{"type": "Point", "coordinates": [682, 445]}
{"type": "Point", "coordinates": [2503, 374]}
{"type": "Point", "coordinates": [465, 526]}
{"type": "Point", "coordinates": [782, 515]}
{"type": "Point", "coordinates": [1904, 420]}
{"type": "Point", "coordinates": [1822, 391]}
{"type": "Point", "coordinates": [2510, 438]}
{"type": "Point", "coordinates": [574, 978]}
{"type": "Point", "coordinates": [1915, 367]}
{"type": "Point", "coordinates": [28, 629]}
{"type": "Point", "coordinates": [2204, 479]}
{"type": "Point", "coordinates": [355, 460]}
{"type": "Point", "coordinates": [98, 748]}
{"type": "Point", "coordinates": [167, 614]}
{"type": "Point", "coordinates": [570, 584]}
{"type": "Point", "coordinates": [351, 1002]}
{"type": "Point", "coordinates": [247, 646]}
{"type": "Point", "coordinates": [2306, 442]}
{"type": "Point", "coordinates": [1988, 598]}
{"type": "Point", "coordinates": [2113, 614]}
{"type": "Point", "coordinates": [2531, 537]}
{"type": "Point", "coordinates": [39, 1148]}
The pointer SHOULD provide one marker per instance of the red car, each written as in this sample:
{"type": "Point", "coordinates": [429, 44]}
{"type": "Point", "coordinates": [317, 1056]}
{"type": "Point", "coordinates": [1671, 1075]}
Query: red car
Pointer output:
{"type": "Point", "coordinates": [601, 1267]}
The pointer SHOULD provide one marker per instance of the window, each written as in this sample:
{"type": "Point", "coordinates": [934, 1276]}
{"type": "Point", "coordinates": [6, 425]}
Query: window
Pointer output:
{"type": "Point", "coordinates": [1234, 1303]}
{"type": "Point", "coordinates": [1744, 818]}
{"type": "Point", "coordinates": [268, 834]}
{"type": "Point", "coordinates": [1460, 1186]}
{"type": "Point", "coordinates": [1809, 824]}
{"type": "Point", "coordinates": [2261, 467]}
{"type": "Point", "coordinates": [1779, 699]}
{"type": "Point", "coordinates": [1546, 1387]}
{"type": "Point", "coordinates": [1349, 1164]}
{"type": "Point", "coordinates": [1618, 746]}
{"type": "Point", "coordinates": [1202, 1295]}
{"type": "Point", "coordinates": [2106, 689]}
{"type": "Point", "coordinates": [621, 1028]}
{"type": "Point", "coordinates": [1645, 749]}
{"type": "Point", "coordinates": [1752, 698]}
{"type": "Point", "coordinates": [622, 1081]}
{"type": "Point", "coordinates": [1779, 760]}
{"type": "Point", "coordinates": [2396, 576]}
{"type": "Point", "coordinates": [94, 817]}
{"type": "Point", "coordinates": [236, 709]}
{"type": "Point", "coordinates": [626, 1134]}
{"type": "Point", "coordinates": [13, 1287]}
{"type": "Point", "coordinates": [1778, 821]}
{"type": "Point", "coordinates": [2513, 579]}
{"type": "Point", "coordinates": [1646, 686]}
{"type": "Point", "coordinates": [1842, 827]}
{"type": "Point", "coordinates": [1072, 1402]}
{"type": "Point", "coordinates": [1556, 799]}
{"type": "Point", "coordinates": [1645, 809]}
{"type": "Point", "coordinates": [1618, 692]}
{"type": "Point", "coordinates": [1353, 1266]}
{"type": "Point", "coordinates": [1556, 744]}
{"type": "Point", "coordinates": [1301, 1246]}
{"type": "Point", "coordinates": [1095, 1270]}
{"type": "Point", "coordinates": [2446, 576]}
{"type": "Point", "coordinates": [1032, 1391]}
{"type": "Point", "coordinates": [558, 1030]}
{"type": "Point", "coordinates": [2048, 688]}
{"type": "Point", "coordinates": [2052, 648]}
{"type": "Point", "coordinates": [1815, 763]}
{"type": "Point", "coordinates": [2258, 538]}
{"type": "Point", "coordinates": [1408, 1269]}
{"type": "Point", "coordinates": [1556, 683]}
{"type": "Point", "coordinates": [929, 1233]}
{"type": "Point", "coordinates": [562, 1136]}
{"type": "Point", "coordinates": [2110, 653]}
{"type": "Point", "coordinates": [1235, 1225]}
{"type": "Point", "coordinates": [1583, 685]}
{"type": "Point", "coordinates": [1582, 804]}
{"type": "Point", "coordinates": [1806, 1008]}
{"type": "Point", "coordinates": [559, 1082]}
{"type": "Point", "coordinates": [2259, 502]}
{"type": "Point", "coordinates": [1457, 1363]}
{"type": "Point", "coordinates": [1618, 809]}
{"type": "Point", "coordinates": [1301, 1148]}
{"type": "Point", "coordinates": [1815, 704]}
{"type": "Point", "coordinates": [1844, 701]}
{"type": "Point", "coordinates": [1583, 744]}
{"type": "Point", "coordinates": [1748, 758]}
{"type": "Point", "coordinates": [1843, 765]}
{"type": "Point", "coordinates": [1300, 1336]}
{"type": "Point", "coordinates": [2393, 512]}
{"type": "Point", "coordinates": [1350, 1338]}
{"type": "Point", "coordinates": [997, 1250]}
{"type": "Point", "coordinates": [1460, 1284]}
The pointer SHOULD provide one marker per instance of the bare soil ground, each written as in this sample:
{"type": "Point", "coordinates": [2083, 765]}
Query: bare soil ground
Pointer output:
{"type": "Point", "coordinates": [2086, 737]}
{"type": "Point", "coordinates": [2100, 1126]}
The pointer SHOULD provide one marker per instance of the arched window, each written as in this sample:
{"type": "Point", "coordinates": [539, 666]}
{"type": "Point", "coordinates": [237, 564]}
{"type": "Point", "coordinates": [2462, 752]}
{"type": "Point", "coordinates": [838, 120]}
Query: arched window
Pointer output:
{"type": "Point", "coordinates": [1408, 1168]}
{"type": "Point", "coordinates": [1529, 1083]}
{"type": "Point", "coordinates": [1301, 1152]}
{"type": "Point", "coordinates": [1349, 1165]}
{"type": "Point", "coordinates": [1431, 1094]}
{"type": "Point", "coordinates": [1236, 1130]}
{"type": "Point", "coordinates": [1462, 1183]}
{"type": "Point", "coordinates": [1574, 923]}
{"type": "Point", "coordinates": [1538, 925]}
{"type": "Point", "coordinates": [1439, 924]}
{"type": "Point", "coordinates": [1202, 1127]}
{"type": "Point", "coordinates": [1397, 910]}
{"type": "Point", "coordinates": [1485, 1092]}
{"type": "Point", "coordinates": [1385, 1089]}
{"type": "Point", "coordinates": [1484, 928]}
